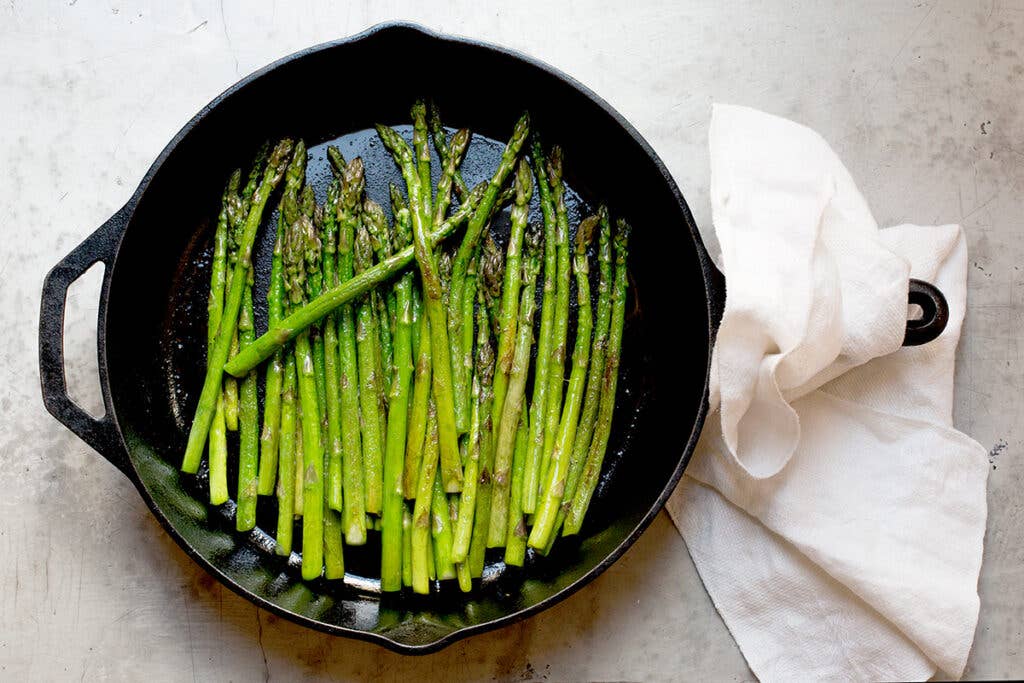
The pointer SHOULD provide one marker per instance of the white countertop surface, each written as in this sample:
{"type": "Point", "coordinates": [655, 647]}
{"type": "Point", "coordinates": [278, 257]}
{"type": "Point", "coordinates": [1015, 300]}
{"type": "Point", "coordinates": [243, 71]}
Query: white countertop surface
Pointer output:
{"type": "Point", "coordinates": [924, 100]}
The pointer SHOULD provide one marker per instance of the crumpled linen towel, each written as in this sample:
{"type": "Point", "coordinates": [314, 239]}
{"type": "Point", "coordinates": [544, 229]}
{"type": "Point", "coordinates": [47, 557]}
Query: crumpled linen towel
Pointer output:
{"type": "Point", "coordinates": [834, 514]}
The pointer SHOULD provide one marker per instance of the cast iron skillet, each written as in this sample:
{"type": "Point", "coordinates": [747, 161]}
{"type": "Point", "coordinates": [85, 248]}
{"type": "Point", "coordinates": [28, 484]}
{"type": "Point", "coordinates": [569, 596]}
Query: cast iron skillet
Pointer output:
{"type": "Point", "coordinates": [152, 317]}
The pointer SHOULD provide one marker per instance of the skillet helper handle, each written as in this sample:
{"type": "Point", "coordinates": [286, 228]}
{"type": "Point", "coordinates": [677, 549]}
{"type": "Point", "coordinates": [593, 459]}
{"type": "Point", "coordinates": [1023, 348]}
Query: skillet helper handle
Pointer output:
{"type": "Point", "coordinates": [935, 314]}
{"type": "Point", "coordinates": [100, 433]}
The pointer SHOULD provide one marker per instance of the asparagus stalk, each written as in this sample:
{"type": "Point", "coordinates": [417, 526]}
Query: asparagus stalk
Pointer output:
{"type": "Point", "coordinates": [353, 484]}
{"type": "Point", "coordinates": [392, 533]}
{"type": "Point", "coordinates": [492, 275]}
{"type": "Point", "coordinates": [510, 288]}
{"type": "Point", "coordinates": [238, 208]}
{"type": "Point", "coordinates": [300, 249]}
{"type": "Point", "coordinates": [437, 134]}
{"type": "Point", "coordinates": [406, 547]}
{"type": "Point", "coordinates": [248, 410]}
{"type": "Point", "coordinates": [299, 473]}
{"type": "Point", "coordinates": [270, 436]}
{"type": "Point", "coordinates": [367, 338]}
{"type": "Point", "coordinates": [231, 391]}
{"type": "Point", "coordinates": [515, 543]}
{"type": "Point", "coordinates": [441, 530]}
{"type": "Point", "coordinates": [468, 249]}
{"type": "Point", "coordinates": [215, 306]}
{"type": "Point", "coordinates": [539, 402]}
{"type": "Point", "coordinates": [218, 270]}
{"type": "Point", "coordinates": [450, 161]}
{"type": "Point", "coordinates": [505, 442]}
{"type": "Point", "coordinates": [332, 362]}
{"type": "Point", "coordinates": [482, 397]}
{"type": "Point", "coordinates": [377, 225]}
{"type": "Point", "coordinates": [286, 459]}
{"type": "Point", "coordinates": [334, 562]}
{"type": "Point", "coordinates": [282, 333]}
{"type": "Point", "coordinates": [555, 486]}
{"type": "Point", "coordinates": [248, 427]}
{"type": "Point", "coordinates": [602, 429]}
{"type": "Point", "coordinates": [232, 306]}
{"type": "Point", "coordinates": [218, 456]}
{"type": "Point", "coordinates": [556, 375]}
{"type": "Point", "coordinates": [334, 553]}
{"type": "Point", "coordinates": [421, 533]}
{"type": "Point", "coordinates": [421, 149]}
{"type": "Point", "coordinates": [591, 400]}
{"type": "Point", "coordinates": [314, 286]}
{"type": "Point", "coordinates": [418, 411]}
{"type": "Point", "coordinates": [451, 469]}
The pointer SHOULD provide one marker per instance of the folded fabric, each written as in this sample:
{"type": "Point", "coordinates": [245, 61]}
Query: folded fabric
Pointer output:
{"type": "Point", "coordinates": [832, 511]}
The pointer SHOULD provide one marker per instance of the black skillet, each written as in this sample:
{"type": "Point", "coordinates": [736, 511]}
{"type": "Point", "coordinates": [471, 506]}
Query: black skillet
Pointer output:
{"type": "Point", "coordinates": [152, 316]}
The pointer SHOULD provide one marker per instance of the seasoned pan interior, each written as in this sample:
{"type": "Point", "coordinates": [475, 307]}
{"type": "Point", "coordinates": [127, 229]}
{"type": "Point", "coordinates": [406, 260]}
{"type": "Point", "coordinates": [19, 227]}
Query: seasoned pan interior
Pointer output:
{"type": "Point", "coordinates": [157, 313]}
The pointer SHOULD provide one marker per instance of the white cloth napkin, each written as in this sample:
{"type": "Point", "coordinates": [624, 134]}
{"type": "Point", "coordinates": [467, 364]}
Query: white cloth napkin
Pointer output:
{"type": "Point", "coordinates": [832, 511]}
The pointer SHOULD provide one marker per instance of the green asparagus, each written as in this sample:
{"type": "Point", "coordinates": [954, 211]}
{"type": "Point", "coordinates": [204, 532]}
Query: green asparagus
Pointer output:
{"type": "Point", "coordinates": [602, 429]}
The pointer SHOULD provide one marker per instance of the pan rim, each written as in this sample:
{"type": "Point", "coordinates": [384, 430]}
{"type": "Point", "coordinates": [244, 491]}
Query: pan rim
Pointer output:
{"type": "Point", "coordinates": [704, 260]}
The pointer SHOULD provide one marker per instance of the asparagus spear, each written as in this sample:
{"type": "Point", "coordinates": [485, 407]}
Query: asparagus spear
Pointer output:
{"type": "Point", "coordinates": [451, 469]}
{"type": "Point", "coordinates": [248, 427]}
{"type": "Point", "coordinates": [510, 288]}
{"type": "Point", "coordinates": [588, 415]}
{"type": "Point", "coordinates": [354, 513]}
{"type": "Point", "coordinates": [538, 406]}
{"type": "Point", "coordinates": [233, 206]}
{"type": "Point", "coordinates": [421, 149]}
{"type": "Point", "coordinates": [554, 487]}
{"type": "Point", "coordinates": [280, 334]}
{"type": "Point", "coordinates": [218, 271]}
{"type": "Point", "coordinates": [421, 533]}
{"type": "Point", "coordinates": [418, 411]}
{"type": "Point", "coordinates": [334, 562]}
{"type": "Point", "coordinates": [298, 474]}
{"type": "Point", "coordinates": [367, 338]}
{"type": "Point", "coordinates": [505, 441]}
{"type": "Point", "coordinates": [377, 225]}
{"type": "Point", "coordinates": [603, 427]}
{"type": "Point", "coordinates": [215, 306]}
{"type": "Point", "coordinates": [450, 161]}
{"type": "Point", "coordinates": [231, 391]}
{"type": "Point", "coordinates": [492, 275]}
{"type": "Point", "coordinates": [232, 306]}
{"type": "Point", "coordinates": [334, 554]}
{"type": "Point", "coordinates": [441, 531]}
{"type": "Point", "coordinates": [481, 411]}
{"type": "Point", "coordinates": [515, 542]}
{"type": "Point", "coordinates": [468, 249]}
{"type": "Point", "coordinates": [437, 133]}
{"type": "Point", "coordinates": [238, 208]}
{"type": "Point", "coordinates": [332, 362]}
{"type": "Point", "coordinates": [406, 547]}
{"type": "Point", "coordinates": [398, 409]}
{"type": "Point", "coordinates": [556, 375]}
{"type": "Point", "coordinates": [270, 436]}
{"type": "Point", "coordinates": [218, 456]}
{"type": "Point", "coordinates": [299, 250]}
{"type": "Point", "coordinates": [286, 459]}
{"type": "Point", "coordinates": [314, 285]}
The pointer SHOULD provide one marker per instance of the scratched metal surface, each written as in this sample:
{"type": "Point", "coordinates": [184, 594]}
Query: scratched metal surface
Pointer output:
{"type": "Point", "coordinates": [923, 100]}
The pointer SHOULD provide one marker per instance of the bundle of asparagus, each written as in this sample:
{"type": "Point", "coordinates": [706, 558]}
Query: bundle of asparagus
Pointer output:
{"type": "Point", "coordinates": [397, 401]}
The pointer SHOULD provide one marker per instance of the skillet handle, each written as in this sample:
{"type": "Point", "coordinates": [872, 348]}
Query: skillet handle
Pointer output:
{"type": "Point", "coordinates": [100, 433]}
{"type": "Point", "coordinates": [936, 314]}
{"type": "Point", "coordinates": [919, 331]}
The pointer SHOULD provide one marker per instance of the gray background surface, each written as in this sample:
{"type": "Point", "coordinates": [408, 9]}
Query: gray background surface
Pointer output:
{"type": "Point", "coordinates": [922, 99]}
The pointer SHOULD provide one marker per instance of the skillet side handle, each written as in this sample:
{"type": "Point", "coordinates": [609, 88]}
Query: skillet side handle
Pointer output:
{"type": "Point", "coordinates": [935, 314]}
{"type": "Point", "coordinates": [100, 433]}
